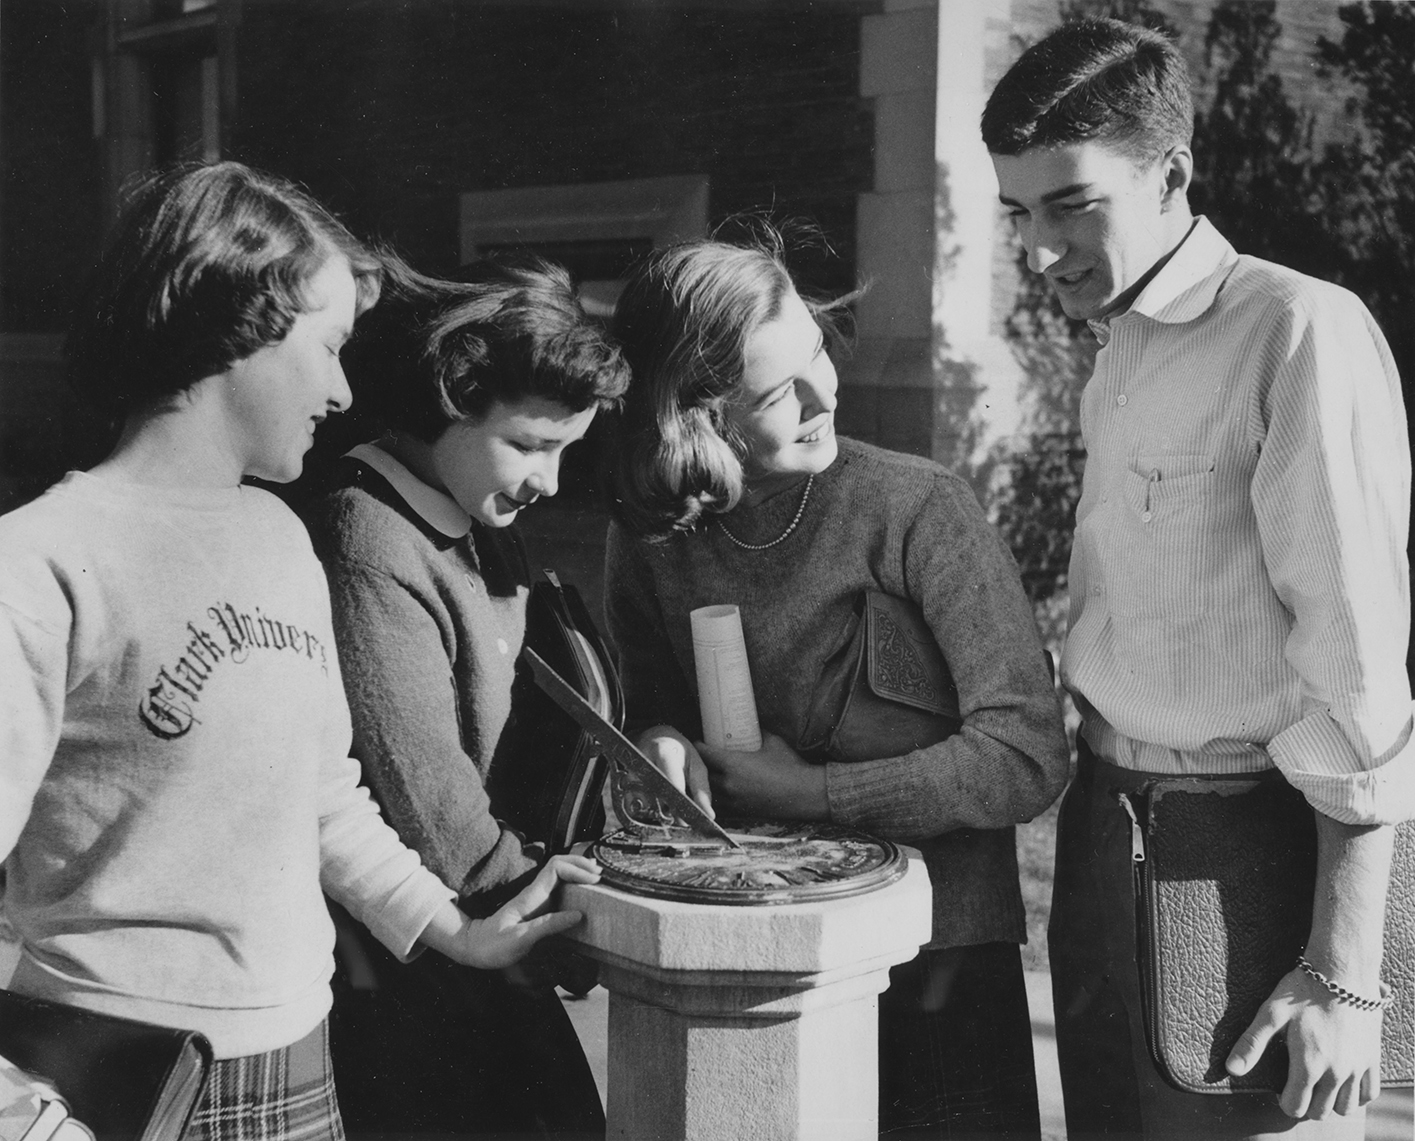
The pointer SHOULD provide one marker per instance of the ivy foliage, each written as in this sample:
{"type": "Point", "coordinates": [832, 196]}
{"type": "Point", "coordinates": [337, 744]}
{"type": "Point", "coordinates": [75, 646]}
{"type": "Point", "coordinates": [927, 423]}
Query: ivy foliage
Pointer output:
{"type": "Point", "coordinates": [1366, 184]}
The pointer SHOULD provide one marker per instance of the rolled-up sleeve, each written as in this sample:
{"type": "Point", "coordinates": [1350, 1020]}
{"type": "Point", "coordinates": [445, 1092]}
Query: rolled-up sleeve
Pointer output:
{"type": "Point", "coordinates": [1331, 493]}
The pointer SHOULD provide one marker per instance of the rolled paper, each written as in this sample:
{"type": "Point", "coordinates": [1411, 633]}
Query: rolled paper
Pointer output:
{"type": "Point", "coordinates": [725, 696]}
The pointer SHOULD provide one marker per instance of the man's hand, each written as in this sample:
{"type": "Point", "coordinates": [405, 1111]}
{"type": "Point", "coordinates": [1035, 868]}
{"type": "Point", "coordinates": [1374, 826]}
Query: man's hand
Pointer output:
{"type": "Point", "coordinates": [509, 933]}
{"type": "Point", "coordinates": [677, 759]}
{"type": "Point", "coordinates": [774, 782]}
{"type": "Point", "coordinates": [1334, 1049]}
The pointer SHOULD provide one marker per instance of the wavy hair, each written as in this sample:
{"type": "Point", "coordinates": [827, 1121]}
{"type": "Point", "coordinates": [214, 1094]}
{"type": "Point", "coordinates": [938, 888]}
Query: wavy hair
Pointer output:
{"type": "Point", "coordinates": [684, 320]}
{"type": "Point", "coordinates": [1102, 79]}
{"type": "Point", "coordinates": [207, 265]}
{"type": "Point", "coordinates": [437, 351]}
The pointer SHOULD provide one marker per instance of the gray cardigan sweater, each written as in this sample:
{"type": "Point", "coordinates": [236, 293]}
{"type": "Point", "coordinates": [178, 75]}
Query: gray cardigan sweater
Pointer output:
{"type": "Point", "coordinates": [897, 523]}
{"type": "Point", "coordinates": [428, 627]}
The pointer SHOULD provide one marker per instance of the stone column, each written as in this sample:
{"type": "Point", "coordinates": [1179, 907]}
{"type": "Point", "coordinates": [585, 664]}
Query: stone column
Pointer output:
{"type": "Point", "coordinates": [931, 373]}
{"type": "Point", "coordinates": [976, 377]}
{"type": "Point", "coordinates": [757, 1021]}
{"type": "Point", "coordinates": [887, 382]}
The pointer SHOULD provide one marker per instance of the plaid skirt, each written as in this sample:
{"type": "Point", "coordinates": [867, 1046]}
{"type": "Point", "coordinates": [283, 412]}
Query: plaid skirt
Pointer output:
{"type": "Point", "coordinates": [284, 1095]}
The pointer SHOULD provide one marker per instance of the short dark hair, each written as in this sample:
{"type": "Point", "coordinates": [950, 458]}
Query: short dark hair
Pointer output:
{"type": "Point", "coordinates": [684, 320]}
{"type": "Point", "coordinates": [1095, 79]}
{"type": "Point", "coordinates": [437, 351]}
{"type": "Point", "coordinates": [207, 265]}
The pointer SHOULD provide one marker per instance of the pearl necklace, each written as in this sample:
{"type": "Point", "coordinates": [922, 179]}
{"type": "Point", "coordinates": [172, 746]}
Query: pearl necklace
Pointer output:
{"type": "Point", "coordinates": [781, 538]}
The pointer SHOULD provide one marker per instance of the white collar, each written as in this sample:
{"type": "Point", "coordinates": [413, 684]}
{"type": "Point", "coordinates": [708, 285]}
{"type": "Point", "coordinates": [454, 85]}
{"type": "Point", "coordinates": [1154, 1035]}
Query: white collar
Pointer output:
{"type": "Point", "coordinates": [1186, 285]}
{"type": "Point", "coordinates": [438, 509]}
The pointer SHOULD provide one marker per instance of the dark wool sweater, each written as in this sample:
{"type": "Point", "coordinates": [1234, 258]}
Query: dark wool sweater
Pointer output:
{"type": "Point", "coordinates": [891, 522]}
{"type": "Point", "coordinates": [428, 629]}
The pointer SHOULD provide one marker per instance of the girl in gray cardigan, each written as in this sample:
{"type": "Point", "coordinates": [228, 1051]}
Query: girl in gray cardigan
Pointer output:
{"type": "Point", "coordinates": [482, 384]}
{"type": "Point", "coordinates": [732, 487]}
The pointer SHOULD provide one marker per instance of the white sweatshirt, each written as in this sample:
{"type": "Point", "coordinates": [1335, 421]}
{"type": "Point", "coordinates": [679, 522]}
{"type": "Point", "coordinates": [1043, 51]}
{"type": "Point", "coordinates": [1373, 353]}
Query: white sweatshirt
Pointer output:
{"type": "Point", "coordinates": [175, 784]}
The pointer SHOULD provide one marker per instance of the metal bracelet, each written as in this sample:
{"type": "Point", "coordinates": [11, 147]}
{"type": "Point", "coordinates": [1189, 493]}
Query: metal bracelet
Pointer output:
{"type": "Point", "coordinates": [1341, 993]}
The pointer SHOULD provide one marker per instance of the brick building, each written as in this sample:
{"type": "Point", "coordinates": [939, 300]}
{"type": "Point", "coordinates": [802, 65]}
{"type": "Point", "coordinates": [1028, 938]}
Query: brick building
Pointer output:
{"type": "Point", "coordinates": [588, 129]}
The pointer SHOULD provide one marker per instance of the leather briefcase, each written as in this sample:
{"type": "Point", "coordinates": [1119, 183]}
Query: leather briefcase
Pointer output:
{"type": "Point", "coordinates": [885, 691]}
{"type": "Point", "coordinates": [1224, 907]}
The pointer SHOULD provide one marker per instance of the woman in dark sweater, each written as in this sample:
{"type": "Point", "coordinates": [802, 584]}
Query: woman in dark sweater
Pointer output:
{"type": "Point", "coordinates": [731, 487]}
{"type": "Point", "coordinates": [482, 385]}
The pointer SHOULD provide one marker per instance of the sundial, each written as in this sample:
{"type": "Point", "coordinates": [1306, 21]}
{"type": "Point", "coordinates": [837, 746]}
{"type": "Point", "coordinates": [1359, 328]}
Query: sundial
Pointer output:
{"type": "Point", "coordinates": [772, 862]}
{"type": "Point", "coordinates": [670, 848]}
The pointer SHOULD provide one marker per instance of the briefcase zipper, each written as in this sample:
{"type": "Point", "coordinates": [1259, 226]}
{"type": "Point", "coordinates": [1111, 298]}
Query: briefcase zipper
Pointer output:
{"type": "Point", "coordinates": [1137, 834]}
{"type": "Point", "coordinates": [1144, 922]}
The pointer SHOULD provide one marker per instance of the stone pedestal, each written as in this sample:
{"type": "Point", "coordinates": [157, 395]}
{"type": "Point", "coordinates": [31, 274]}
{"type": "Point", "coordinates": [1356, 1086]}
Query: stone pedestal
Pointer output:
{"type": "Point", "coordinates": [760, 1022]}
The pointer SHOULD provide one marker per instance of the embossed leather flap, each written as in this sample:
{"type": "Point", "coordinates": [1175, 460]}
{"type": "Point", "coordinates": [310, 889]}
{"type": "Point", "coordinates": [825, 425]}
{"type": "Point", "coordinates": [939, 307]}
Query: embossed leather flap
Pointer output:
{"type": "Point", "coordinates": [883, 691]}
{"type": "Point", "coordinates": [903, 662]}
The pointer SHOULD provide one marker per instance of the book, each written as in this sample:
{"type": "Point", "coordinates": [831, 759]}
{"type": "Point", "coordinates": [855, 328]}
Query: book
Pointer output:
{"type": "Point", "coordinates": [31, 1109]}
{"type": "Point", "coordinates": [125, 1080]}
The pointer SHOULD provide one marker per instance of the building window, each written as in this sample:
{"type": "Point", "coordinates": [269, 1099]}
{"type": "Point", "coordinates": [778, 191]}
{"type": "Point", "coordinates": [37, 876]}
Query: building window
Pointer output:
{"type": "Point", "coordinates": [597, 230]}
{"type": "Point", "coordinates": [186, 123]}
{"type": "Point", "coordinates": [164, 83]}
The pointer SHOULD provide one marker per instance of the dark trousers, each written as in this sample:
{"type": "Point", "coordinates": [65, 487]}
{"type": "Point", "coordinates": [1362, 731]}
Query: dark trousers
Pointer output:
{"type": "Point", "coordinates": [1111, 1087]}
{"type": "Point", "coordinates": [443, 1049]}
{"type": "Point", "coordinates": [955, 1047]}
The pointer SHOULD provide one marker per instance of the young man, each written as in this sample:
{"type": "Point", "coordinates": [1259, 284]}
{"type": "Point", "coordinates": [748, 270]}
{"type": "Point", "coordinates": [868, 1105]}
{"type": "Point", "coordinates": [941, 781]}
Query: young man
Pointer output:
{"type": "Point", "coordinates": [1239, 584]}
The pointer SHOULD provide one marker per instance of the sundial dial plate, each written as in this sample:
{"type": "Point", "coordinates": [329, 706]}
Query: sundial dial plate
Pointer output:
{"type": "Point", "coordinates": [774, 862]}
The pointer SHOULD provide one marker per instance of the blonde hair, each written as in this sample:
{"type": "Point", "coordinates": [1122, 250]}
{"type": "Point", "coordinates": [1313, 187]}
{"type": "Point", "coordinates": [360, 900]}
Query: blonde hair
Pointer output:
{"type": "Point", "coordinates": [683, 322]}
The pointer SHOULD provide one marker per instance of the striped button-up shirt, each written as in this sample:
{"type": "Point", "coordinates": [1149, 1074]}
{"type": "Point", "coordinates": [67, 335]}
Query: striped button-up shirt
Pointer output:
{"type": "Point", "coordinates": [1239, 582]}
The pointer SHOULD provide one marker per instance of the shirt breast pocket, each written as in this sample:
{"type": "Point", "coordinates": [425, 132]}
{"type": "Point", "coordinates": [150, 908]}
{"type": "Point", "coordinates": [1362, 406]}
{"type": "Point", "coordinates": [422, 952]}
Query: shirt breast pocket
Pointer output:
{"type": "Point", "coordinates": [1169, 488]}
{"type": "Point", "coordinates": [1168, 556]}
